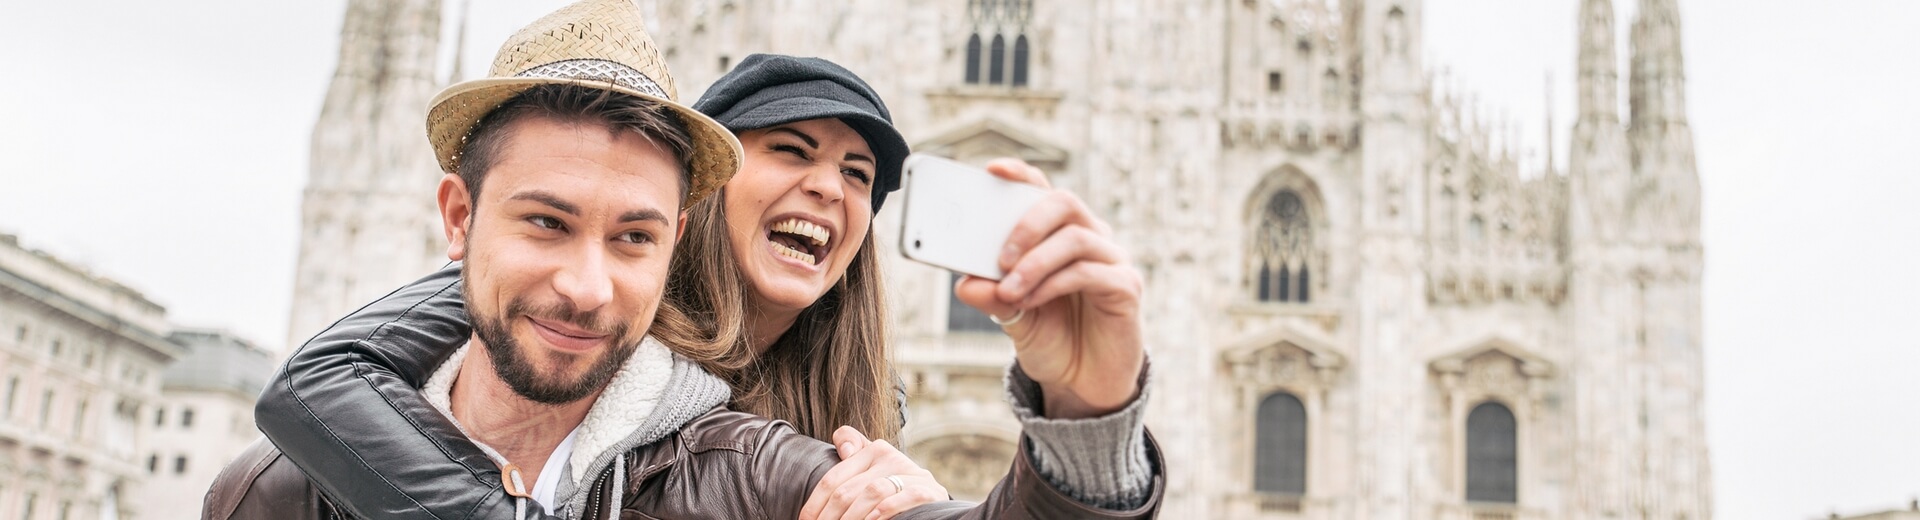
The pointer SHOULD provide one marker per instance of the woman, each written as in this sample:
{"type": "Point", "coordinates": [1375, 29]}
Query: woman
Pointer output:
{"type": "Point", "coordinates": [794, 299]}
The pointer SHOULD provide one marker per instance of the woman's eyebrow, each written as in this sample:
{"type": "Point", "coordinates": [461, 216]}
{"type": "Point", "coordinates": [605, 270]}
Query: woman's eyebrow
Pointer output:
{"type": "Point", "coordinates": [811, 142]}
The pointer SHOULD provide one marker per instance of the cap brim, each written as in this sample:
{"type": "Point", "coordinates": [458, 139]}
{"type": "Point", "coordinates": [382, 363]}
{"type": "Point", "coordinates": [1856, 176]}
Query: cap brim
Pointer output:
{"type": "Point", "coordinates": [881, 136]}
{"type": "Point", "coordinates": [453, 113]}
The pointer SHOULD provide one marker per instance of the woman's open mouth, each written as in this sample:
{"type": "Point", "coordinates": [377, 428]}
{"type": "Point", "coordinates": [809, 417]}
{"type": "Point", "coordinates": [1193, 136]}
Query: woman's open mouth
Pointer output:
{"type": "Point", "coordinates": [800, 240]}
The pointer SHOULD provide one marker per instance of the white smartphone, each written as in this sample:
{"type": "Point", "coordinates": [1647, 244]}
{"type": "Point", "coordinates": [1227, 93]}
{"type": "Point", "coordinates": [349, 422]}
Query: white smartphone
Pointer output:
{"type": "Point", "coordinates": [958, 217]}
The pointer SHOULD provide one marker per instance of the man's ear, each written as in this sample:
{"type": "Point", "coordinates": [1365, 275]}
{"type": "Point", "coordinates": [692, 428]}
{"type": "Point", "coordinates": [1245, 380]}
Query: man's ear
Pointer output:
{"type": "Point", "coordinates": [456, 214]}
{"type": "Point", "coordinates": [680, 230]}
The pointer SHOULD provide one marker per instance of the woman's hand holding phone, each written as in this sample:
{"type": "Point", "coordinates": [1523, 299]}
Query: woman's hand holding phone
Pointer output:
{"type": "Point", "coordinates": [1077, 297]}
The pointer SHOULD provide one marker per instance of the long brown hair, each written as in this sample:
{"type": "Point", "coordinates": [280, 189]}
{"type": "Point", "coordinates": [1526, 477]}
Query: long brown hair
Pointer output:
{"type": "Point", "coordinates": [831, 368]}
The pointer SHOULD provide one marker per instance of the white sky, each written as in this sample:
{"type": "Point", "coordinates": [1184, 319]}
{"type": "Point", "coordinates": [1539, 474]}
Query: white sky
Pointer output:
{"type": "Point", "coordinates": [165, 145]}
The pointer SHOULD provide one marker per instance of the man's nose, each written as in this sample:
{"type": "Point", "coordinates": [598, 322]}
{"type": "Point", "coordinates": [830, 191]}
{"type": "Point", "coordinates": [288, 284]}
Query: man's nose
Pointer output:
{"type": "Point", "coordinates": [585, 281]}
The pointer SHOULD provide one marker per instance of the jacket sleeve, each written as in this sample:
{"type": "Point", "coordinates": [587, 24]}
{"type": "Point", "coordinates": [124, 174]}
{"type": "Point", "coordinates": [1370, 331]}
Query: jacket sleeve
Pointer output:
{"type": "Point", "coordinates": [1024, 494]}
{"type": "Point", "coordinates": [787, 465]}
{"type": "Point", "coordinates": [347, 410]}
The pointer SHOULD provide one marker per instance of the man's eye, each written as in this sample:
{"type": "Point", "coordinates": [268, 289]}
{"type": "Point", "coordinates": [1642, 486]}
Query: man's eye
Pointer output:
{"type": "Point", "coordinates": [637, 237]}
{"type": "Point", "coordinates": [546, 222]}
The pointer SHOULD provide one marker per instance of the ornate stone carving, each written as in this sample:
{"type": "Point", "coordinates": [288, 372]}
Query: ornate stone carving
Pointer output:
{"type": "Point", "coordinates": [968, 465]}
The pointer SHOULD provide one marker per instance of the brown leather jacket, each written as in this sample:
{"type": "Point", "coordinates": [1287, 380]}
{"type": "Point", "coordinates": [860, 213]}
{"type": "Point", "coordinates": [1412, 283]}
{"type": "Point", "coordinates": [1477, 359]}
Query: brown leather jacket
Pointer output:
{"type": "Point", "coordinates": [347, 405]}
{"type": "Point", "coordinates": [724, 464]}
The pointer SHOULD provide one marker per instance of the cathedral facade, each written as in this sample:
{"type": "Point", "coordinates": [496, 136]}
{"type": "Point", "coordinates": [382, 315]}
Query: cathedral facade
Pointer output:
{"type": "Point", "coordinates": [1358, 305]}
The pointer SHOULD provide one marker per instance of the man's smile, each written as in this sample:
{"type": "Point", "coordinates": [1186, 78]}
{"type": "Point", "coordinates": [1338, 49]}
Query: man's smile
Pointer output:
{"type": "Point", "coordinates": [564, 336]}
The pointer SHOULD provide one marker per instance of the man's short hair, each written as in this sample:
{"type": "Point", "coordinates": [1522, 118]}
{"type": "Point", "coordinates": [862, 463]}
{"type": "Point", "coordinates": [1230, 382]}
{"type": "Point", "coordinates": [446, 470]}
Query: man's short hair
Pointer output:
{"type": "Point", "coordinates": [578, 104]}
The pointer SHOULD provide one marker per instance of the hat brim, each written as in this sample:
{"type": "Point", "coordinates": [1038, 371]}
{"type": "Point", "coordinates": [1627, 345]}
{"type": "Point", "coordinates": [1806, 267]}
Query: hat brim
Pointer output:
{"type": "Point", "coordinates": [453, 113]}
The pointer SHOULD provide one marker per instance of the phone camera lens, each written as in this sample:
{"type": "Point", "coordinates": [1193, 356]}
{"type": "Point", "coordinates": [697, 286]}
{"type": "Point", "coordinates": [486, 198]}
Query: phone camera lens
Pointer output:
{"type": "Point", "coordinates": [916, 244]}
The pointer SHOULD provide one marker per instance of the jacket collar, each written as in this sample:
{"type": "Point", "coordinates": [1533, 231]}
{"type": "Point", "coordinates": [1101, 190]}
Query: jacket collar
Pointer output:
{"type": "Point", "coordinates": [652, 396]}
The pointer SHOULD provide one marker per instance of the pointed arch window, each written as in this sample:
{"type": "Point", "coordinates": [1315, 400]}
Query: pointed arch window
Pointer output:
{"type": "Point", "coordinates": [1280, 448]}
{"type": "Point", "coordinates": [1020, 61]}
{"type": "Point", "coordinates": [973, 59]}
{"type": "Point", "coordinates": [1283, 247]}
{"type": "Point", "coordinates": [1330, 88]}
{"type": "Point", "coordinates": [997, 60]}
{"type": "Point", "coordinates": [1492, 465]}
{"type": "Point", "coordinates": [990, 58]}
{"type": "Point", "coordinates": [1396, 31]}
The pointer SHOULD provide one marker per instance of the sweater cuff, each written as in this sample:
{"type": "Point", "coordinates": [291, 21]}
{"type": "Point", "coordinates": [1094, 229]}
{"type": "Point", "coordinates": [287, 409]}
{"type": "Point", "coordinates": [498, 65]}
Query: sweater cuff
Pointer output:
{"type": "Point", "coordinates": [1099, 461]}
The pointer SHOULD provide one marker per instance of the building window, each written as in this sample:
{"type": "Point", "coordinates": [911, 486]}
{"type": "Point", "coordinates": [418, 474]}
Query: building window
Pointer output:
{"type": "Point", "coordinates": [998, 63]}
{"type": "Point", "coordinates": [1330, 88]}
{"type": "Point", "coordinates": [973, 60]}
{"type": "Point", "coordinates": [725, 63]}
{"type": "Point", "coordinates": [1280, 451]}
{"type": "Point", "coordinates": [1276, 82]}
{"type": "Point", "coordinates": [186, 418]}
{"type": "Point", "coordinates": [1020, 61]}
{"type": "Point", "coordinates": [46, 408]}
{"type": "Point", "coordinates": [964, 318]}
{"type": "Point", "coordinates": [80, 419]}
{"type": "Point", "coordinates": [153, 463]}
{"type": "Point", "coordinates": [1283, 248]}
{"type": "Point", "coordinates": [1492, 473]}
{"type": "Point", "coordinates": [180, 465]}
{"type": "Point", "coordinates": [13, 391]}
{"type": "Point", "coordinates": [159, 416]}
{"type": "Point", "coordinates": [26, 509]}
{"type": "Point", "coordinates": [997, 60]}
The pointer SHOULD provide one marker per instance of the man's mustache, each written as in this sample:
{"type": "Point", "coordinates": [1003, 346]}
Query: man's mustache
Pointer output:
{"type": "Point", "coordinates": [592, 322]}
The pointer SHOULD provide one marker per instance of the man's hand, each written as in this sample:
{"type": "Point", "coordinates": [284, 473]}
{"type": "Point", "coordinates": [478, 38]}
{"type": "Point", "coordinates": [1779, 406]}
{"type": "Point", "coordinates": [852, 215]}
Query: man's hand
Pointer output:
{"type": "Point", "coordinates": [1077, 298]}
{"type": "Point", "coordinates": [857, 488]}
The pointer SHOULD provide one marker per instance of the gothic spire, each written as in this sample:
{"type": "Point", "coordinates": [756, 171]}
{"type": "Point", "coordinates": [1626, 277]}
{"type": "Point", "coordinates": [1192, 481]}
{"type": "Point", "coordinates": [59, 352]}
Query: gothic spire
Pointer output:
{"type": "Point", "coordinates": [1659, 74]}
{"type": "Point", "coordinates": [1598, 81]}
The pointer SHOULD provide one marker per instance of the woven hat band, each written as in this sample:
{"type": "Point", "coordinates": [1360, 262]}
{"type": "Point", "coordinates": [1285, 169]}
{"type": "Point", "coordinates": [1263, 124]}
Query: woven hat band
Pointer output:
{"type": "Point", "coordinates": [600, 70]}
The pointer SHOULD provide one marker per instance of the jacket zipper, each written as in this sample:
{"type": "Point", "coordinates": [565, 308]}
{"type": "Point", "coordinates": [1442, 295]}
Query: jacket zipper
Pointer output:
{"type": "Point", "coordinates": [599, 488]}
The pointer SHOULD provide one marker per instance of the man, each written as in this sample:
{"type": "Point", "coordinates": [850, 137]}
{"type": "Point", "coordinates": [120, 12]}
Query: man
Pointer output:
{"type": "Point", "coordinates": [574, 168]}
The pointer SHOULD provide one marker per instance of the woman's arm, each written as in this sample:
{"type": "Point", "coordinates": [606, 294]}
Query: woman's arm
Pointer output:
{"type": "Point", "coordinates": [786, 466]}
{"type": "Point", "coordinates": [347, 409]}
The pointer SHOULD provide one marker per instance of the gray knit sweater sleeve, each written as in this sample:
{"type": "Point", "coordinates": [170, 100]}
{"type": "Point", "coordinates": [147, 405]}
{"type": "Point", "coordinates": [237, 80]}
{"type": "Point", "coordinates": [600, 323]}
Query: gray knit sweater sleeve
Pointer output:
{"type": "Point", "coordinates": [1101, 461]}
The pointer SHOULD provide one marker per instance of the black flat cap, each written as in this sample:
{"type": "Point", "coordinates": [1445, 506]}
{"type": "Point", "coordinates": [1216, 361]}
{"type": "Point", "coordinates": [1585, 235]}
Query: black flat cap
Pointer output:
{"type": "Point", "coordinates": [767, 90]}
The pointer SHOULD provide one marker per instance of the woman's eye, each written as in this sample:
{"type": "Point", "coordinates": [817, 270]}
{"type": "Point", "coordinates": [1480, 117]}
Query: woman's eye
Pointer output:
{"type": "Point", "coordinates": [546, 222]}
{"type": "Point", "coordinates": [858, 174]}
{"type": "Point", "coordinates": [795, 150]}
{"type": "Point", "coordinates": [637, 237]}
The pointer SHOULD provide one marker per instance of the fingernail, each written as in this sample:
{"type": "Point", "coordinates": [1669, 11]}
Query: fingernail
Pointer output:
{"type": "Point", "coordinates": [1012, 283]}
{"type": "Point", "coordinates": [1009, 254]}
{"type": "Point", "coordinates": [845, 447]}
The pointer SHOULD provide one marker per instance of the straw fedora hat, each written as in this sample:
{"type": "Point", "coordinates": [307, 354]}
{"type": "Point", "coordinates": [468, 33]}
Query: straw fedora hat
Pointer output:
{"type": "Point", "coordinates": [597, 43]}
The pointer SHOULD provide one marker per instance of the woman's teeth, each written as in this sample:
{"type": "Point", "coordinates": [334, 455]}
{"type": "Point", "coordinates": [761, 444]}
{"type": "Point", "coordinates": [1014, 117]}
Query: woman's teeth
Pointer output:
{"type": "Point", "coordinates": [783, 250]}
{"type": "Point", "coordinates": [814, 232]}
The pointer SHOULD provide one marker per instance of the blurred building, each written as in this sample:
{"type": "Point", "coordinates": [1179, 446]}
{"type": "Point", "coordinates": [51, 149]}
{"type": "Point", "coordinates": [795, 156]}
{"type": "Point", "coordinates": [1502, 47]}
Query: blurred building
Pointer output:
{"type": "Point", "coordinates": [367, 215]}
{"type": "Point", "coordinates": [80, 364]}
{"type": "Point", "coordinates": [1912, 512]}
{"type": "Point", "coordinates": [1362, 303]}
{"type": "Point", "coordinates": [203, 420]}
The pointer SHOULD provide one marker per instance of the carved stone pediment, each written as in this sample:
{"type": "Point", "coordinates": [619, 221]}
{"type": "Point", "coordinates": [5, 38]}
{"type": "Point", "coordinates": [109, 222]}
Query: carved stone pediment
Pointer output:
{"type": "Point", "coordinates": [990, 138]}
{"type": "Point", "coordinates": [1284, 355]}
{"type": "Point", "coordinates": [1492, 364]}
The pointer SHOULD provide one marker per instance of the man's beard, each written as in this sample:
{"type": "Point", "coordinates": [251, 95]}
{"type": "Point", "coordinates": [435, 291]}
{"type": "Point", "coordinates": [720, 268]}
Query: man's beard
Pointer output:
{"type": "Point", "coordinates": [511, 363]}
